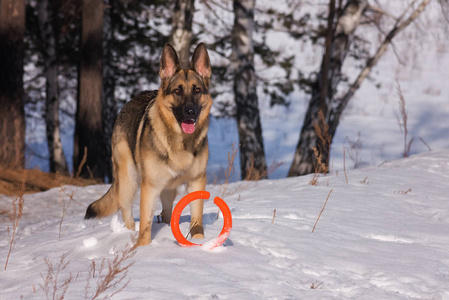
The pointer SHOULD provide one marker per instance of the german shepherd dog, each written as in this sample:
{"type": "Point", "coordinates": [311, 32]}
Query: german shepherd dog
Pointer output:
{"type": "Point", "coordinates": [160, 142]}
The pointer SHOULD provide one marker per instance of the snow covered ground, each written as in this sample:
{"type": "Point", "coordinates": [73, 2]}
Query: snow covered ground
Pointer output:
{"type": "Point", "coordinates": [382, 235]}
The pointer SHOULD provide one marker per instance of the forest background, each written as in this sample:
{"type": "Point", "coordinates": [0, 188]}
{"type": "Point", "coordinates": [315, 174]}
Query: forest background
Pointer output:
{"type": "Point", "coordinates": [284, 73]}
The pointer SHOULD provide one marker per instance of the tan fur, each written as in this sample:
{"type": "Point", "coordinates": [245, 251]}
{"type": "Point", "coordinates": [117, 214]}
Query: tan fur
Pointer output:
{"type": "Point", "coordinates": [164, 156]}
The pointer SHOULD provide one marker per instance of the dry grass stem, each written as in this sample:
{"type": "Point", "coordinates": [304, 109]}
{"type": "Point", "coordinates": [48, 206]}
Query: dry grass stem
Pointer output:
{"type": "Point", "coordinates": [91, 175]}
{"type": "Point", "coordinates": [81, 165]}
{"type": "Point", "coordinates": [365, 180]}
{"type": "Point", "coordinates": [403, 122]}
{"type": "Point", "coordinates": [194, 224]}
{"type": "Point", "coordinates": [344, 165]}
{"type": "Point", "coordinates": [324, 139]}
{"type": "Point", "coordinates": [320, 167]}
{"type": "Point", "coordinates": [230, 169]}
{"type": "Point", "coordinates": [16, 215]}
{"type": "Point", "coordinates": [52, 287]}
{"type": "Point", "coordinates": [354, 149]}
{"type": "Point", "coordinates": [93, 269]}
{"type": "Point", "coordinates": [322, 210]}
{"type": "Point", "coordinates": [252, 174]}
{"type": "Point", "coordinates": [424, 142]}
{"type": "Point", "coordinates": [274, 215]}
{"type": "Point", "coordinates": [256, 175]}
{"type": "Point", "coordinates": [316, 285]}
{"type": "Point", "coordinates": [403, 192]}
{"type": "Point", "coordinates": [65, 205]}
{"type": "Point", "coordinates": [117, 271]}
{"type": "Point", "coordinates": [111, 275]}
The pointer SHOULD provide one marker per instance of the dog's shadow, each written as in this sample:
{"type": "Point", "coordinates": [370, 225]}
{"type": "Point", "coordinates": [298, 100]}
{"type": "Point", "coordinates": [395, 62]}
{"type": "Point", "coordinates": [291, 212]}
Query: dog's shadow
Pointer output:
{"type": "Point", "coordinates": [208, 219]}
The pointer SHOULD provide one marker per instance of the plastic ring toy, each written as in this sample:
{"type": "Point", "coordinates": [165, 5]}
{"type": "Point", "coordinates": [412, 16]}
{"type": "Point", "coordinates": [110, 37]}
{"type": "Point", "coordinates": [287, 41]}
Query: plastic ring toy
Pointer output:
{"type": "Point", "coordinates": [227, 219]}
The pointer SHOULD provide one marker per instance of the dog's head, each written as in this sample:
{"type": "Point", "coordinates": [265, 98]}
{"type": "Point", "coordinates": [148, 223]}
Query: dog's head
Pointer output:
{"type": "Point", "coordinates": [185, 92]}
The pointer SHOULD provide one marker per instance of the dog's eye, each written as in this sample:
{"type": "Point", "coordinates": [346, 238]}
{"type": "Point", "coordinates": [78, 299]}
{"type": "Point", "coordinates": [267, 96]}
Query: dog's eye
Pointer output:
{"type": "Point", "coordinates": [177, 91]}
{"type": "Point", "coordinates": [197, 90]}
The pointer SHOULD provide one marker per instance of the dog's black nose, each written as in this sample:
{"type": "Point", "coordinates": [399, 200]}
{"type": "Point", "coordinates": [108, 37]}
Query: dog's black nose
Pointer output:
{"type": "Point", "coordinates": [190, 112]}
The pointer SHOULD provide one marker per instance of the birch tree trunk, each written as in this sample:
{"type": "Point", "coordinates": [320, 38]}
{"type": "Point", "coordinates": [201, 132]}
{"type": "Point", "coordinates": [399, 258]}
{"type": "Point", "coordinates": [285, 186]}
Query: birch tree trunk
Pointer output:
{"type": "Point", "coordinates": [88, 128]}
{"type": "Point", "coordinates": [12, 115]}
{"type": "Point", "coordinates": [304, 161]}
{"type": "Point", "coordinates": [109, 103]}
{"type": "Point", "coordinates": [252, 155]}
{"type": "Point", "coordinates": [181, 34]}
{"type": "Point", "coordinates": [49, 25]}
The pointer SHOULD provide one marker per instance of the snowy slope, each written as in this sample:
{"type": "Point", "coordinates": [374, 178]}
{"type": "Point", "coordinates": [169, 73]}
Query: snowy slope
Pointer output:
{"type": "Point", "coordinates": [385, 238]}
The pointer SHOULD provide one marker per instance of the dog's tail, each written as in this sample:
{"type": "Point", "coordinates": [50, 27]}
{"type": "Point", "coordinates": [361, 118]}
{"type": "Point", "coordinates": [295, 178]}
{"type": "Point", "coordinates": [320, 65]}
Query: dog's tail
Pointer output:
{"type": "Point", "coordinates": [103, 207]}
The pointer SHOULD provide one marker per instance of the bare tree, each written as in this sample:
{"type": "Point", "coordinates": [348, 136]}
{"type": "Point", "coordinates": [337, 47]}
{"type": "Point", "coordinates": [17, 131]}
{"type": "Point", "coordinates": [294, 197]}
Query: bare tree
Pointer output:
{"type": "Point", "coordinates": [252, 154]}
{"type": "Point", "coordinates": [332, 108]}
{"type": "Point", "coordinates": [49, 24]}
{"type": "Point", "coordinates": [399, 25]}
{"type": "Point", "coordinates": [109, 103]}
{"type": "Point", "coordinates": [323, 90]}
{"type": "Point", "coordinates": [12, 116]}
{"type": "Point", "coordinates": [181, 34]}
{"type": "Point", "coordinates": [89, 140]}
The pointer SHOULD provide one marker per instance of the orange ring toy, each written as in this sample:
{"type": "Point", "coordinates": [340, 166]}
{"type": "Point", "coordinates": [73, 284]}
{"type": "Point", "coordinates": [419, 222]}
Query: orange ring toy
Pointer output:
{"type": "Point", "coordinates": [227, 219]}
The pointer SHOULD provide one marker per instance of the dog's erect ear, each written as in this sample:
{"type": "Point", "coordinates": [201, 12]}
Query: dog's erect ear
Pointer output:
{"type": "Point", "coordinates": [169, 62]}
{"type": "Point", "coordinates": [200, 61]}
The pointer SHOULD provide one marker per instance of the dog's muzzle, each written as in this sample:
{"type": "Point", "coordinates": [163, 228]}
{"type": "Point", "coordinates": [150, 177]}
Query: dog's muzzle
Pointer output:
{"type": "Point", "coordinates": [190, 115]}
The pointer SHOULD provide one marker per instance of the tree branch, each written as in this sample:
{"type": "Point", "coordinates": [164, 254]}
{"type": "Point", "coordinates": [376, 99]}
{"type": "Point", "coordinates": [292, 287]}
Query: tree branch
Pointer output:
{"type": "Point", "coordinates": [398, 27]}
{"type": "Point", "coordinates": [405, 12]}
{"type": "Point", "coordinates": [381, 11]}
{"type": "Point", "coordinates": [217, 4]}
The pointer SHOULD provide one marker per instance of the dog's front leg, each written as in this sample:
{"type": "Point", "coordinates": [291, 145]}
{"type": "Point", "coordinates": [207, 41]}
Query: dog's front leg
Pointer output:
{"type": "Point", "coordinates": [148, 198]}
{"type": "Point", "coordinates": [196, 208]}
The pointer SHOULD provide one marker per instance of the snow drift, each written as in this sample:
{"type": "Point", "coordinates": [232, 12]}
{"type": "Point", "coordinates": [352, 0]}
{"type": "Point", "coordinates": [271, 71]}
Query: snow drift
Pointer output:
{"type": "Point", "coordinates": [384, 235]}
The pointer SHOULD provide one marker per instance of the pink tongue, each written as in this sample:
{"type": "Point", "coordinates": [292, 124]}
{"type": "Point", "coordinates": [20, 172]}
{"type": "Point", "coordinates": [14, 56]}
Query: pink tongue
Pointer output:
{"type": "Point", "coordinates": [188, 127]}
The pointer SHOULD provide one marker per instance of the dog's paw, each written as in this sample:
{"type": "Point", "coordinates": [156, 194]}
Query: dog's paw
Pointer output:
{"type": "Point", "coordinates": [198, 236]}
{"type": "Point", "coordinates": [144, 237]}
{"type": "Point", "coordinates": [131, 225]}
{"type": "Point", "coordinates": [142, 242]}
{"type": "Point", "coordinates": [197, 232]}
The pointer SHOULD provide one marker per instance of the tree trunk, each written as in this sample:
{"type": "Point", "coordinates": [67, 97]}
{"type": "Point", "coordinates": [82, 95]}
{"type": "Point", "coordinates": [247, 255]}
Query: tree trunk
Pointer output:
{"type": "Point", "coordinates": [181, 34]}
{"type": "Point", "coordinates": [49, 25]}
{"type": "Point", "coordinates": [304, 160]}
{"type": "Point", "coordinates": [88, 128]}
{"type": "Point", "coordinates": [109, 112]}
{"type": "Point", "coordinates": [252, 155]}
{"type": "Point", "coordinates": [12, 115]}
